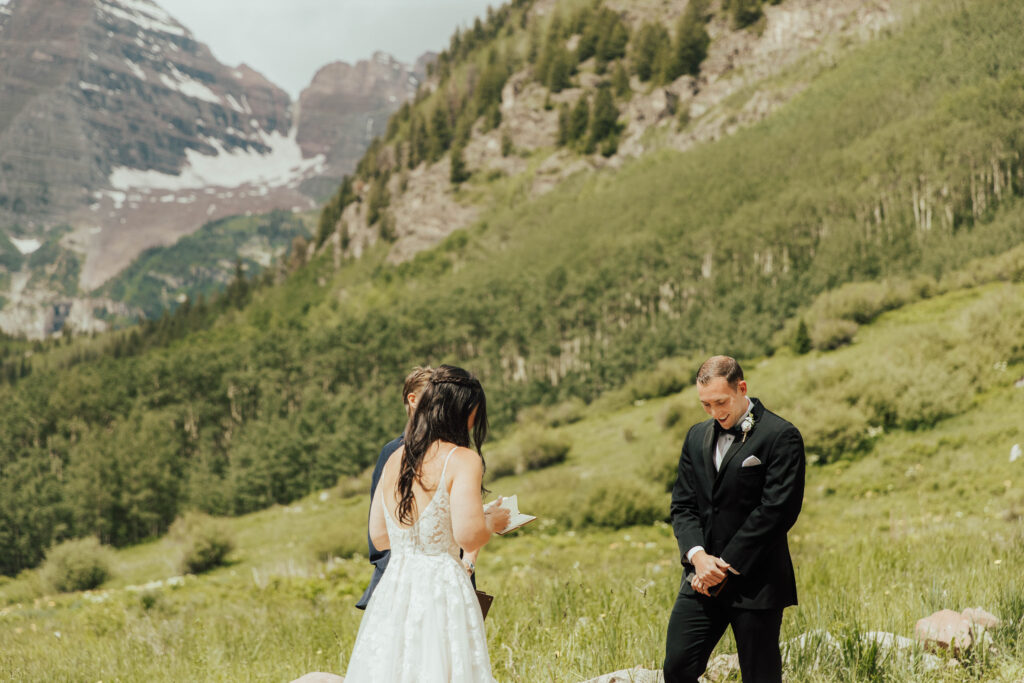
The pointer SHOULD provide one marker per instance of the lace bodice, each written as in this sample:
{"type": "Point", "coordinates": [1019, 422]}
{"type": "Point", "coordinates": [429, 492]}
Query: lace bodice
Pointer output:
{"type": "Point", "coordinates": [431, 533]}
{"type": "Point", "coordinates": [423, 623]}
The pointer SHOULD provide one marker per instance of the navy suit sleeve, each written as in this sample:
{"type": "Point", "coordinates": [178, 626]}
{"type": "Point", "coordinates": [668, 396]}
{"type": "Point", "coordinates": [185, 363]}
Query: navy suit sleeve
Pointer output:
{"type": "Point", "coordinates": [385, 453]}
{"type": "Point", "coordinates": [781, 500]}
{"type": "Point", "coordinates": [685, 512]}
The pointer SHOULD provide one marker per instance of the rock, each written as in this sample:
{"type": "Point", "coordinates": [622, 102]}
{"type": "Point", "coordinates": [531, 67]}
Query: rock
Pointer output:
{"type": "Point", "coordinates": [888, 640]}
{"type": "Point", "coordinates": [319, 677]}
{"type": "Point", "coordinates": [980, 617]}
{"type": "Point", "coordinates": [946, 630]}
{"type": "Point", "coordinates": [637, 675]}
{"type": "Point", "coordinates": [1015, 452]}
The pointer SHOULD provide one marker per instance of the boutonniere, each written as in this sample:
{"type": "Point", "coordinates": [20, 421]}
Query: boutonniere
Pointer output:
{"type": "Point", "coordinates": [747, 425]}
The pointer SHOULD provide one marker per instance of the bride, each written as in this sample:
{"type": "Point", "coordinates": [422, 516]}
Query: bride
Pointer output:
{"type": "Point", "coordinates": [423, 623]}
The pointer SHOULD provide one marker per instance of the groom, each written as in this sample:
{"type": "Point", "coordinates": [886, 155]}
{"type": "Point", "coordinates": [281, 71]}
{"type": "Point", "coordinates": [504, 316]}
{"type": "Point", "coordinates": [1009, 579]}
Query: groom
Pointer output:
{"type": "Point", "coordinates": [738, 492]}
{"type": "Point", "coordinates": [415, 382]}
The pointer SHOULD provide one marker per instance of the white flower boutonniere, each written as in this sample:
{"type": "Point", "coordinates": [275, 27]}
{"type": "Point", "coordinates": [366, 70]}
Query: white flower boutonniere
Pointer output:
{"type": "Point", "coordinates": [747, 425]}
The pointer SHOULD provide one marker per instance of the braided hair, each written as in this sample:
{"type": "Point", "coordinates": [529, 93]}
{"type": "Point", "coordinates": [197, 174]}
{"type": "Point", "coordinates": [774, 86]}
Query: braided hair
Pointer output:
{"type": "Point", "coordinates": [442, 414]}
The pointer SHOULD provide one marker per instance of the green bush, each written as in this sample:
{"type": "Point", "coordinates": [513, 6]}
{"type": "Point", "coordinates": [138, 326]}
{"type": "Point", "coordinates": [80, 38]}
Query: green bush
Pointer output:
{"type": "Point", "coordinates": [78, 565]}
{"type": "Point", "coordinates": [538, 450]}
{"type": "Point", "coordinates": [564, 413]}
{"type": "Point", "coordinates": [358, 485]}
{"type": "Point", "coordinates": [621, 504]}
{"type": "Point", "coordinates": [669, 377]}
{"type": "Point", "coordinates": [832, 333]}
{"type": "Point", "coordinates": [682, 413]}
{"type": "Point", "coordinates": [205, 542]}
{"type": "Point", "coordinates": [535, 449]}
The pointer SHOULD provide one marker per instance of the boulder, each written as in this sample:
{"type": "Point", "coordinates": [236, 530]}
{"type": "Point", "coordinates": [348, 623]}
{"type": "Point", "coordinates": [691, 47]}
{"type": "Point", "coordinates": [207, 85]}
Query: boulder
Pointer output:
{"type": "Point", "coordinates": [980, 617]}
{"type": "Point", "coordinates": [945, 630]}
{"type": "Point", "coordinates": [637, 675]}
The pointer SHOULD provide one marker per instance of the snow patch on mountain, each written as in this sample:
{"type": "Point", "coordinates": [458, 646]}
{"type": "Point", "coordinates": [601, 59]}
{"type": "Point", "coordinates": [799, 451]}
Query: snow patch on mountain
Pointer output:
{"type": "Point", "coordinates": [25, 245]}
{"type": "Point", "coordinates": [146, 15]}
{"type": "Point", "coordinates": [283, 165]}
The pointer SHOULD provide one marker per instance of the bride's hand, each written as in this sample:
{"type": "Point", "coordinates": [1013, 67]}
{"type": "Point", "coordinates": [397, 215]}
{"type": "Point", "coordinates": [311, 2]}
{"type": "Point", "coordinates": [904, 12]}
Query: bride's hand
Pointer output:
{"type": "Point", "coordinates": [496, 518]}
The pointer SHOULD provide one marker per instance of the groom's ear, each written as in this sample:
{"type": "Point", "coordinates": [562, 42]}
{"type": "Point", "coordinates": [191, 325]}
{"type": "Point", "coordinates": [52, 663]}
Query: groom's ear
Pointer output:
{"type": "Point", "coordinates": [741, 387]}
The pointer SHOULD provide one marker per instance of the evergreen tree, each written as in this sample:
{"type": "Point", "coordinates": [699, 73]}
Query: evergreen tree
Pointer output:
{"type": "Point", "coordinates": [440, 132]}
{"type": "Point", "coordinates": [802, 339]}
{"type": "Point", "coordinates": [650, 49]}
{"type": "Point", "coordinates": [620, 81]}
{"type": "Point", "coordinates": [579, 119]}
{"type": "Point", "coordinates": [691, 44]}
{"type": "Point", "coordinates": [563, 125]}
{"type": "Point", "coordinates": [604, 122]}
{"type": "Point", "coordinates": [459, 172]}
{"type": "Point", "coordinates": [561, 70]}
{"type": "Point", "coordinates": [744, 12]}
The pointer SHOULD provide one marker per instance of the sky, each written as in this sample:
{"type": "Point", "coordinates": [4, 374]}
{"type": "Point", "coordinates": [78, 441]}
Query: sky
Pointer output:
{"type": "Point", "coordinates": [289, 40]}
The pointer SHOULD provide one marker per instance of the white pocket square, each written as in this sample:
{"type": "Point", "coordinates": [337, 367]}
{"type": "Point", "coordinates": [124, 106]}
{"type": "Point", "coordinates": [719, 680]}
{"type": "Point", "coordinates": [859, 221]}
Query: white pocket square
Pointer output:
{"type": "Point", "coordinates": [751, 461]}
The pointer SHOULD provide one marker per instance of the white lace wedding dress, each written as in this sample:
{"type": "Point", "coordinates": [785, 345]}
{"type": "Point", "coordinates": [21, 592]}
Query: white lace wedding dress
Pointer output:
{"type": "Point", "coordinates": [423, 623]}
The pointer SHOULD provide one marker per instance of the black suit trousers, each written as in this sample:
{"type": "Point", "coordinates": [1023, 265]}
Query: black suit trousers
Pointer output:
{"type": "Point", "coordinates": [697, 624]}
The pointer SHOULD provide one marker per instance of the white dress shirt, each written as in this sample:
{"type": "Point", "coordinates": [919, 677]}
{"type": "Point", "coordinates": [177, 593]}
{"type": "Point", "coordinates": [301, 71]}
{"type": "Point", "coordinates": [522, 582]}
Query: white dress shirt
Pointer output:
{"type": "Point", "coordinates": [721, 448]}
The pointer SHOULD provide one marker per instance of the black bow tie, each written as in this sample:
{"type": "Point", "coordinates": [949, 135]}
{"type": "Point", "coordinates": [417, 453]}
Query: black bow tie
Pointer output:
{"type": "Point", "coordinates": [735, 430]}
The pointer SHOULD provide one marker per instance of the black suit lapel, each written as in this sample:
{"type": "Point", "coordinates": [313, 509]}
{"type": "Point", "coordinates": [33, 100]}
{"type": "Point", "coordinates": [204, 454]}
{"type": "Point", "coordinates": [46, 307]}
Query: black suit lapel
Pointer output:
{"type": "Point", "coordinates": [708, 454]}
{"type": "Point", "coordinates": [739, 444]}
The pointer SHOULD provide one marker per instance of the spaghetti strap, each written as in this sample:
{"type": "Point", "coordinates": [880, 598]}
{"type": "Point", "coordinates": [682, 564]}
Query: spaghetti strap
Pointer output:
{"type": "Point", "coordinates": [445, 467]}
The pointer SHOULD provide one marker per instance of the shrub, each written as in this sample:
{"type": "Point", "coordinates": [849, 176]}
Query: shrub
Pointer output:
{"type": "Point", "coordinates": [831, 333]}
{"type": "Point", "coordinates": [205, 542]}
{"type": "Point", "coordinates": [78, 565]}
{"type": "Point", "coordinates": [502, 461]}
{"type": "Point", "coordinates": [358, 485]}
{"type": "Point", "coordinates": [620, 504]}
{"type": "Point", "coordinates": [682, 413]}
{"type": "Point", "coordinates": [669, 377]}
{"type": "Point", "coordinates": [564, 413]}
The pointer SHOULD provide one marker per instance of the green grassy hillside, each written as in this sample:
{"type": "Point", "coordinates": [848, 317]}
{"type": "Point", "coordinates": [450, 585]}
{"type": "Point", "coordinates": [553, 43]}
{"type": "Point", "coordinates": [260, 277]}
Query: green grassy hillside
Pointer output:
{"type": "Point", "coordinates": [919, 519]}
{"type": "Point", "coordinates": [901, 166]}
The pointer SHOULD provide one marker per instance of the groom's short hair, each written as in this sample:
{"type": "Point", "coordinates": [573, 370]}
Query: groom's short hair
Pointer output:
{"type": "Point", "coordinates": [415, 382]}
{"type": "Point", "coordinates": [720, 366]}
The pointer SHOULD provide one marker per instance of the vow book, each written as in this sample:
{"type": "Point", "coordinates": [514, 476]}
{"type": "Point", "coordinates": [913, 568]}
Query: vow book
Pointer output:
{"type": "Point", "coordinates": [516, 518]}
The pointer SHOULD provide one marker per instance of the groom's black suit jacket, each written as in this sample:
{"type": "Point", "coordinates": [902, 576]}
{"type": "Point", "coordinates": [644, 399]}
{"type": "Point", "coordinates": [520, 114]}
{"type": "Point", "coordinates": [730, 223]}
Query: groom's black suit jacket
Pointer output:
{"type": "Point", "coordinates": [742, 514]}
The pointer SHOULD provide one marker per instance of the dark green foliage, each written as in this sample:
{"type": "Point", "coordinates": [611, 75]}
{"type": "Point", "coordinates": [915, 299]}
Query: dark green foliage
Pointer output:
{"type": "Point", "coordinates": [651, 51]}
{"type": "Point", "coordinates": [620, 81]}
{"type": "Point", "coordinates": [560, 70]}
{"type": "Point", "coordinates": [691, 44]}
{"type": "Point", "coordinates": [507, 147]}
{"type": "Point", "coordinates": [578, 120]}
{"type": "Point", "coordinates": [459, 173]}
{"type": "Point", "coordinates": [205, 542]}
{"type": "Point", "coordinates": [802, 338]}
{"type": "Point", "coordinates": [743, 12]}
{"type": "Point", "coordinates": [603, 35]}
{"type": "Point", "coordinates": [331, 213]}
{"type": "Point", "coordinates": [604, 126]}
{"type": "Point", "coordinates": [77, 565]}
{"type": "Point", "coordinates": [440, 132]}
{"type": "Point", "coordinates": [378, 200]}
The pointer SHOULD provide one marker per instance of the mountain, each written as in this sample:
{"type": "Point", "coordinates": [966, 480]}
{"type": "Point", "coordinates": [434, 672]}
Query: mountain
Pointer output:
{"type": "Point", "coordinates": [116, 123]}
{"type": "Point", "coordinates": [346, 106]}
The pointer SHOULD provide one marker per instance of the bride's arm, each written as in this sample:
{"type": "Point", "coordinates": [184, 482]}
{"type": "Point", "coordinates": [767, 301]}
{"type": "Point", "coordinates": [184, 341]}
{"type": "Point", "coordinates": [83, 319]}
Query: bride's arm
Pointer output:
{"type": "Point", "coordinates": [472, 528]}
{"type": "Point", "coordinates": [378, 527]}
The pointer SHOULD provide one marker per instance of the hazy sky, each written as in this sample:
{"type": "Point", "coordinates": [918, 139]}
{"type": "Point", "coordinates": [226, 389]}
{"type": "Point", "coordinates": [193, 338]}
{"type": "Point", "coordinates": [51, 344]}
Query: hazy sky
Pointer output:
{"type": "Point", "coordinates": [288, 40]}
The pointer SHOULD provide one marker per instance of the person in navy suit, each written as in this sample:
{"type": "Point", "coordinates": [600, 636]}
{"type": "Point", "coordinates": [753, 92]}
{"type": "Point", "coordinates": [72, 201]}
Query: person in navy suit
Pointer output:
{"type": "Point", "coordinates": [415, 382]}
{"type": "Point", "coordinates": [738, 491]}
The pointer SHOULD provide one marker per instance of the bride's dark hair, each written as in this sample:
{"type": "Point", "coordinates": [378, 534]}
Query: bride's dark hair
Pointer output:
{"type": "Point", "coordinates": [442, 414]}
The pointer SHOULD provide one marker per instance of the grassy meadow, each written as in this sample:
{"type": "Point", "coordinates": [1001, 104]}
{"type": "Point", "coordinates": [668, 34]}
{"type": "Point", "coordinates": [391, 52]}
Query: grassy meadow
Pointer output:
{"type": "Point", "coordinates": [922, 518]}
